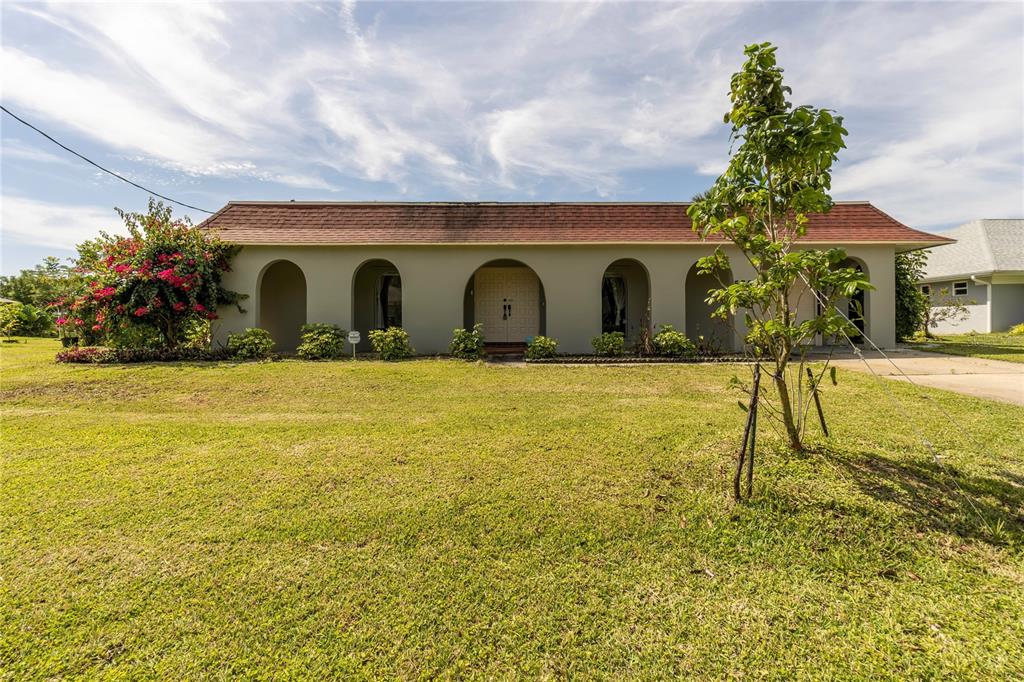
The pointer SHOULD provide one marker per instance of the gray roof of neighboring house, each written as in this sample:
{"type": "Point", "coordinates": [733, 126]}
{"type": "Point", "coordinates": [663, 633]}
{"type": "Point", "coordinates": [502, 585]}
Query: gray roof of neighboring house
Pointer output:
{"type": "Point", "coordinates": [982, 247]}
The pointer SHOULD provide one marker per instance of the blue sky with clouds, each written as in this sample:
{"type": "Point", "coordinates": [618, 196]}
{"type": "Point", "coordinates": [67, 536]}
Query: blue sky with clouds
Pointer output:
{"type": "Point", "coordinates": [488, 101]}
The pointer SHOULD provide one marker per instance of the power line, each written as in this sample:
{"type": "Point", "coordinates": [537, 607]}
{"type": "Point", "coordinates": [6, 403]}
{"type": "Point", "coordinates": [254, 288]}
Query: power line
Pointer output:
{"type": "Point", "coordinates": [105, 170]}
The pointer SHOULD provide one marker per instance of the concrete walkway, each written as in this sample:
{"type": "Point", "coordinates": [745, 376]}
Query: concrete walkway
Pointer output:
{"type": "Point", "coordinates": [992, 379]}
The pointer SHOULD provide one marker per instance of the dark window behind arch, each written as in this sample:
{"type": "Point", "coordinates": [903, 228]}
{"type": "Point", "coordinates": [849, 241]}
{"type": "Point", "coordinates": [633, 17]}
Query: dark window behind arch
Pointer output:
{"type": "Point", "coordinates": [613, 304]}
{"type": "Point", "coordinates": [389, 301]}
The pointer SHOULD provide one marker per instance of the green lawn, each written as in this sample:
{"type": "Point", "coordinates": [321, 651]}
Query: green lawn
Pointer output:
{"type": "Point", "coordinates": [991, 346]}
{"type": "Point", "coordinates": [435, 518]}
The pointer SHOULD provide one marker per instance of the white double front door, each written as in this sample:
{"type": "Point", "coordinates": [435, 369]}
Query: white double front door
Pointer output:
{"type": "Point", "coordinates": [507, 301]}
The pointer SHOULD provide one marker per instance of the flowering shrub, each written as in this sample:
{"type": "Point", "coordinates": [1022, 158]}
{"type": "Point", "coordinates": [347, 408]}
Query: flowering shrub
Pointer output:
{"type": "Point", "coordinates": [86, 354]}
{"type": "Point", "coordinates": [163, 277]}
{"type": "Point", "coordinates": [541, 348]}
{"type": "Point", "coordinates": [673, 344]}
{"type": "Point", "coordinates": [98, 355]}
{"type": "Point", "coordinates": [391, 343]}
{"type": "Point", "coordinates": [609, 344]}
{"type": "Point", "coordinates": [321, 341]}
{"type": "Point", "coordinates": [1017, 330]}
{"type": "Point", "coordinates": [252, 344]}
{"type": "Point", "coordinates": [468, 344]}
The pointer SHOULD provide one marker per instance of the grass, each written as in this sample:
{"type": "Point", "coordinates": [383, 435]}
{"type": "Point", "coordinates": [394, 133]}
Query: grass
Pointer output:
{"type": "Point", "coordinates": [990, 346]}
{"type": "Point", "coordinates": [437, 518]}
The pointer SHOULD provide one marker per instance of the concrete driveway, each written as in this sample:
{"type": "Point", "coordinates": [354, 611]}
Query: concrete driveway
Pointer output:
{"type": "Point", "coordinates": [992, 379]}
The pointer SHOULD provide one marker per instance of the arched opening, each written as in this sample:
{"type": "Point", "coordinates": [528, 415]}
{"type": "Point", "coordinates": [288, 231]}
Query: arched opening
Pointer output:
{"type": "Point", "coordinates": [625, 299]}
{"type": "Point", "coordinates": [856, 307]}
{"type": "Point", "coordinates": [507, 298]}
{"type": "Point", "coordinates": [376, 298]}
{"type": "Point", "coordinates": [711, 333]}
{"type": "Point", "coordinates": [282, 305]}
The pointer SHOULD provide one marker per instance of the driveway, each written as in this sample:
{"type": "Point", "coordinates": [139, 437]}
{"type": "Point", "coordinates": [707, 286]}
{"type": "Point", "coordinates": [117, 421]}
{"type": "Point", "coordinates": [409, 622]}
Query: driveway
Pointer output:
{"type": "Point", "coordinates": [992, 379]}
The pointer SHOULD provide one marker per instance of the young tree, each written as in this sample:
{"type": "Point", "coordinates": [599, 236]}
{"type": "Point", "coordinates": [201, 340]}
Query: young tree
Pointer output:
{"type": "Point", "coordinates": [944, 307]}
{"type": "Point", "coordinates": [911, 303]}
{"type": "Point", "coordinates": [779, 172]}
{"type": "Point", "coordinates": [163, 277]}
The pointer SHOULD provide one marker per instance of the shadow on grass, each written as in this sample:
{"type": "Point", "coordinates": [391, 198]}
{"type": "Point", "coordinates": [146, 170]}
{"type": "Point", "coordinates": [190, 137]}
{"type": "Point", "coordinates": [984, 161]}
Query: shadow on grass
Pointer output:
{"type": "Point", "coordinates": [936, 495]}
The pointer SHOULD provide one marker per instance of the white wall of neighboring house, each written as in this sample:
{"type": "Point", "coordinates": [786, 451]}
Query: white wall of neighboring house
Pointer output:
{"type": "Point", "coordinates": [976, 301]}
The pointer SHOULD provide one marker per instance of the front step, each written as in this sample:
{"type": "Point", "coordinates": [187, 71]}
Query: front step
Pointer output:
{"type": "Point", "coordinates": [504, 349]}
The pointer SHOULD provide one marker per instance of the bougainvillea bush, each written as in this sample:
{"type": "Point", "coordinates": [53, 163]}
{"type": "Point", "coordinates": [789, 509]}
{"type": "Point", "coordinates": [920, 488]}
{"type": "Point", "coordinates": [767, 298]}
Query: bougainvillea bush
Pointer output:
{"type": "Point", "coordinates": [155, 283]}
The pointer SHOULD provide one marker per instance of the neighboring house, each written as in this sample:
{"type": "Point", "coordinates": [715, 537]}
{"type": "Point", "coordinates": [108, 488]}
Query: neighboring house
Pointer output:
{"type": "Point", "coordinates": [984, 270]}
{"type": "Point", "coordinates": [566, 270]}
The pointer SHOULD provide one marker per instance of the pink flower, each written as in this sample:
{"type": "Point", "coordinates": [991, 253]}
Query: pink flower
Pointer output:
{"type": "Point", "coordinates": [211, 316]}
{"type": "Point", "coordinates": [141, 310]}
{"type": "Point", "coordinates": [62, 321]}
{"type": "Point", "coordinates": [178, 306]}
{"type": "Point", "coordinates": [199, 307]}
{"type": "Point", "coordinates": [96, 327]}
{"type": "Point", "coordinates": [79, 322]}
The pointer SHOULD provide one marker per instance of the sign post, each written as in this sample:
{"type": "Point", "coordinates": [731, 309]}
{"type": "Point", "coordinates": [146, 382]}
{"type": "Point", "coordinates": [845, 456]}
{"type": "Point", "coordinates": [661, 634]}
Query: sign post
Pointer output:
{"type": "Point", "coordinates": [353, 338]}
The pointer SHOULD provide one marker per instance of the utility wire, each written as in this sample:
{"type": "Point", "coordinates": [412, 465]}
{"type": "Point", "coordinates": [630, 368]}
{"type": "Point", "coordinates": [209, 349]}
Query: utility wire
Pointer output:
{"type": "Point", "coordinates": [105, 170]}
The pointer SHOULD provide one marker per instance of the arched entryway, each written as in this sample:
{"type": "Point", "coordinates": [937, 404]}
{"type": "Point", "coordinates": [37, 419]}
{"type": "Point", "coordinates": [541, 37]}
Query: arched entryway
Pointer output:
{"type": "Point", "coordinates": [856, 307]}
{"type": "Point", "coordinates": [507, 298]}
{"type": "Point", "coordinates": [282, 304]}
{"type": "Point", "coordinates": [376, 298]}
{"type": "Point", "coordinates": [717, 334]}
{"type": "Point", "coordinates": [625, 299]}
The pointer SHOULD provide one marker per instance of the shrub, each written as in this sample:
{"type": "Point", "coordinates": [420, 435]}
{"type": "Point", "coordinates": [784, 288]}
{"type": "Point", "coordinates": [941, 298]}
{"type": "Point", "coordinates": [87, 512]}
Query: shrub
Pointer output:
{"type": "Point", "coordinates": [672, 343]}
{"type": "Point", "coordinates": [468, 344]}
{"type": "Point", "coordinates": [1017, 330]}
{"type": "Point", "coordinates": [541, 347]}
{"type": "Point", "coordinates": [609, 344]}
{"type": "Point", "coordinates": [391, 343]}
{"type": "Point", "coordinates": [321, 341]}
{"type": "Point", "coordinates": [22, 319]}
{"type": "Point", "coordinates": [86, 354]}
{"type": "Point", "coordinates": [99, 355]}
{"type": "Point", "coordinates": [162, 277]}
{"type": "Point", "coordinates": [252, 344]}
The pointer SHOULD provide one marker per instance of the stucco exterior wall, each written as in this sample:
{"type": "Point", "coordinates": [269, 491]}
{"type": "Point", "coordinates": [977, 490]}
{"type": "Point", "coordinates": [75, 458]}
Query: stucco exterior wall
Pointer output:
{"type": "Point", "coordinates": [976, 302]}
{"type": "Point", "coordinates": [434, 281]}
{"type": "Point", "coordinates": [1007, 306]}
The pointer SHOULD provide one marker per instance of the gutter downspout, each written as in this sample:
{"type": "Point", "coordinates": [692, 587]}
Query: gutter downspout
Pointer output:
{"type": "Point", "coordinates": [988, 302]}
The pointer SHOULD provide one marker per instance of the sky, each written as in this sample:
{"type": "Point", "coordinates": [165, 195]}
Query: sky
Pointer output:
{"type": "Point", "coordinates": [508, 101]}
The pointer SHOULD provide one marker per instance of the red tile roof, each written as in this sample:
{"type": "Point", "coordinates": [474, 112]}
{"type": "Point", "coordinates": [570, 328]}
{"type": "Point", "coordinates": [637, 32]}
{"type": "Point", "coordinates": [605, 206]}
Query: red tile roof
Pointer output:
{"type": "Point", "coordinates": [315, 223]}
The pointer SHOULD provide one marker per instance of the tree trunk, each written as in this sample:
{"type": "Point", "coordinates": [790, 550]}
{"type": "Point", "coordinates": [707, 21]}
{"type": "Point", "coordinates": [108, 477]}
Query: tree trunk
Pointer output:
{"type": "Point", "coordinates": [787, 412]}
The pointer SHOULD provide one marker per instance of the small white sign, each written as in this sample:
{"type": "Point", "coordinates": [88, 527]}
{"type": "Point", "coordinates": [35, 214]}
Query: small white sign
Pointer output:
{"type": "Point", "coordinates": [353, 337]}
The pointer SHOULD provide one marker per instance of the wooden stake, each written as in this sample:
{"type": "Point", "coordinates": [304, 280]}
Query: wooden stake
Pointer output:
{"type": "Point", "coordinates": [817, 402]}
{"type": "Point", "coordinates": [740, 458]}
{"type": "Point", "coordinates": [754, 401]}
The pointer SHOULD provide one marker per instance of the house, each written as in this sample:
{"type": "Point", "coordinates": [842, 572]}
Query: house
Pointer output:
{"type": "Point", "coordinates": [984, 270]}
{"type": "Point", "coordinates": [565, 270]}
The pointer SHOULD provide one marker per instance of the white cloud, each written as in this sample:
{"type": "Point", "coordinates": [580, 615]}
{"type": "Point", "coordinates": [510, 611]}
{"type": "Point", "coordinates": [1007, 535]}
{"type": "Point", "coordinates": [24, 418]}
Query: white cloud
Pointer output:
{"type": "Point", "coordinates": [514, 98]}
{"type": "Point", "coordinates": [39, 223]}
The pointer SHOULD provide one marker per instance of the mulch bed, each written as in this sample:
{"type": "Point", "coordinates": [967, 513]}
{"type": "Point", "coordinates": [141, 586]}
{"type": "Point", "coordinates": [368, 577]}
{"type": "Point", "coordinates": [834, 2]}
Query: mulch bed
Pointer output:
{"type": "Point", "coordinates": [634, 360]}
